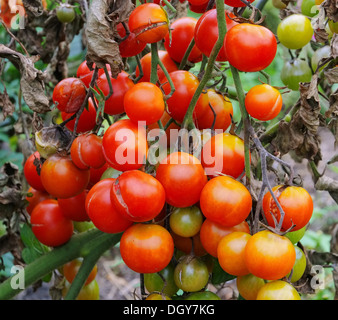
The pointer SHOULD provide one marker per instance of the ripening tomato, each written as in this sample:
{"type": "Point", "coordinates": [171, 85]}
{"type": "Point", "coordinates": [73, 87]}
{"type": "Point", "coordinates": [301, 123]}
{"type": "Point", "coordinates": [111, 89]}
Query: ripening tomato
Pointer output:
{"type": "Point", "coordinates": [295, 31]}
{"type": "Point", "coordinates": [69, 94]}
{"type": "Point", "coordinates": [137, 196]}
{"type": "Point", "coordinates": [158, 296]}
{"type": "Point", "coordinates": [115, 103]}
{"type": "Point", "coordinates": [73, 208]}
{"type": "Point", "coordinates": [62, 178]}
{"type": "Point", "coordinates": [131, 46]}
{"type": "Point", "coordinates": [86, 151]}
{"type": "Point", "coordinates": [230, 253]}
{"type": "Point", "coordinates": [49, 225]}
{"type": "Point", "coordinates": [263, 102]}
{"type": "Point", "coordinates": [299, 266]}
{"type": "Point", "coordinates": [185, 84]}
{"type": "Point", "coordinates": [149, 22]}
{"type": "Point", "coordinates": [70, 270]}
{"type": "Point", "coordinates": [296, 203]}
{"type": "Point", "coordinates": [250, 47]}
{"type": "Point", "coordinates": [223, 153]}
{"type": "Point", "coordinates": [182, 177]}
{"type": "Point", "coordinates": [31, 171]}
{"type": "Point", "coordinates": [223, 109]}
{"type": "Point", "coordinates": [87, 119]}
{"type": "Point", "coordinates": [177, 43]}
{"type": "Point", "coordinates": [226, 201]}
{"type": "Point", "coordinates": [269, 256]}
{"type": "Point", "coordinates": [188, 245]}
{"type": "Point", "coordinates": [89, 292]}
{"type": "Point", "coordinates": [34, 197]}
{"type": "Point", "coordinates": [125, 145]}
{"type": "Point", "coordinates": [145, 62]}
{"type": "Point", "coordinates": [278, 290]}
{"type": "Point", "coordinates": [206, 32]}
{"type": "Point", "coordinates": [212, 232]}
{"type": "Point", "coordinates": [101, 211]}
{"type": "Point", "coordinates": [249, 285]}
{"type": "Point", "coordinates": [146, 248]}
{"type": "Point", "coordinates": [144, 102]}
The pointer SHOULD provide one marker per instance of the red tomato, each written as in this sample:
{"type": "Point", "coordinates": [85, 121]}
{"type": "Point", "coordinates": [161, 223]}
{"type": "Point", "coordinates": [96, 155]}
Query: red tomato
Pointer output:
{"type": "Point", "coordinates": [61, 178]}
{"type": "Point", "coordinates": [71, 269]}
{"type": "Point", "coordinates": [236, 3]}
{"type": "Point", "coordinates": [211, 234]}
{"type": "Point", "coordinates": [182, 32]}
{"type": "Point", "coordinates": [296, 203]}
{"type": "Point", "coordinates": [31, 172]}
{"type": "Point", "coordinates": [132, 45]}
{"type": "Point", "coordinates": [73, 208]}
{"type": "Point", "coordinates": [125, 145]}
{"type": "Point", "coordinates": [144, 102]}
{"type": "Point", "coordinates": [145, 61]}
{"type": "Point", "coordinates": [101, 210]}
{"type": "Point", "coordinates": [149, 22]}
{"type": "Point", "coordinates": [206, 32]}
{"type": "Point", "coordinates": [185, 244]}
{"type": "Point", "coordinates": [114, 105]}
{"type": "Point", "coordinates": [223, 109]}
{"type": "Point", "coordinates": [226, 201]}
{"type": "Point", "coordinates": [182, 177]}
{"type": "Point", "coordinates": [263, 102]}
{"type": "Point", "coordinates": [185, 84]}
{"type": "Point", "coordinates": [86, 151]}
{"type": "Point", "coordinates": [230, 253]}
{"type": "Point", "coordinates": [250, 47]}
{"type": "Point", "coordinates": [49, 225]}
{"type": "Point", "coordinates": [84, 73]}
{"type": "Point", "coordinates": [223, 153]}
{"type": "Point", "coordinates": [269, 256]}
{"type": "Point", "coordinates": [87, 119]}
{"type": "Point", "coordinates": [34, 198]}
{"type": "Point", "coordinates": [146, 248]}
{"type": "Point", "coordinates": [198, 2]}
{"type": "Point", "coordinates": [96, 174]}
{"type": "Point", "coordinates": [138, 196]}
{"type": "Point", "coordinates": [69, 94]}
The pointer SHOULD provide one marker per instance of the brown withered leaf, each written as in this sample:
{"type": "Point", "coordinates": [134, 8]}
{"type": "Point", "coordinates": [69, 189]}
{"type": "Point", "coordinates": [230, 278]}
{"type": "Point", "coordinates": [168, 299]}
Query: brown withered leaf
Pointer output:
{"type": "Point", "coordinates": [332, 114]}
{"type": "Point", "coordinates": [102, 48]}
{"type": "Point", "coordinates": [300, 134]}
{"type": "Point", "coordinates": [331, 9]}
{"type": "Point", "coordinates": [331, 75]}
{"type": "Point", "coordinates": [334, 45]}
{"type": "Point", "coordinates": [31, 81]}
{"type": "Point", "coordinates": [6, 104]}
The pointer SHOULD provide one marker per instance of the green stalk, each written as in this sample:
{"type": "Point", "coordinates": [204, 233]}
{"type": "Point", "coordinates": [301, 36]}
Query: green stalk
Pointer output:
{"type": "Point", "coordinates": [154, 62]}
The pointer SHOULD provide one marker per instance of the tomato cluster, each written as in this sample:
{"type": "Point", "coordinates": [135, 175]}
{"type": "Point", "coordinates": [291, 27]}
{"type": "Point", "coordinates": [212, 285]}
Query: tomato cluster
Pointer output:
{"type": "Point", "coordinates": [184, 213]}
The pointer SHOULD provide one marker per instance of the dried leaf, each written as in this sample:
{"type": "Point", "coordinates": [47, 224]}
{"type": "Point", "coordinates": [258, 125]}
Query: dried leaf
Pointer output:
{"type": "Point", "coordinates": [325, 183]}
{"type": "Point", "coordinates": [332, 114]}
{"type": "Point", "coordinates": [31, 82]}
{"type": "Point", "coordinates": [334, 45]}
{"type": "Point", "coordinates": [331, 9]}
{"type": "Point", "coordinates": [331, 75]}
{"type": "Point", "coordinates": [6, 104]}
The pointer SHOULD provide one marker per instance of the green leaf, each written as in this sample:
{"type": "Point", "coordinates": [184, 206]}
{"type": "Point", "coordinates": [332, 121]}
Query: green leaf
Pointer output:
{"type": "Point", "coordinates": [219, 275]}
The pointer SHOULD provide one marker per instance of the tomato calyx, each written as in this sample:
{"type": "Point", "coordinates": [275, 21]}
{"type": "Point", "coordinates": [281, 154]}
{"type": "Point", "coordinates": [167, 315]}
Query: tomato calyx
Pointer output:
{"type": "Point", "coordinates": [255, 12]}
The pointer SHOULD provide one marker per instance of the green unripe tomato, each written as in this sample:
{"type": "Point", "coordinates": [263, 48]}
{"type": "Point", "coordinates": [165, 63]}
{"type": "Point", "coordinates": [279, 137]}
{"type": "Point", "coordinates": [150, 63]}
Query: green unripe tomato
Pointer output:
{"type": "Point", "coordinates": [65, 13]}
{"type": "Point", "coordinates": [296, 236]}
{"type": "Point", "coordinates": [309, 8]}
{"type": "Point", "coordinates": [203, 295]}
{"type": "Point", "coordinates": [295, 31]}
{"type": "Point", "coordinates": [299, 266]}
{"type": "Point", "coordinates": [333, 26]}
{"type": "Point", "coordinates": [110, 173]}
{"type": "Point", "coordinates": [294, 72]}
{"type": "Point", "coordinates": [318, 55]}
{"type": "Point", "coordinates": [279, 4]}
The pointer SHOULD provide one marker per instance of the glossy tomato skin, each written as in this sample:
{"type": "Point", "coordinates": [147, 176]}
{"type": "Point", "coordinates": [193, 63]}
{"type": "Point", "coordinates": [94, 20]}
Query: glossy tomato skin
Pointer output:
{"type": "Point", "coordinates": [138, 196]}
{"type": "Point", "coordinates": [223, 153]}
{"type": "Point", "coordinates": [269, 256]}
{"type": "Point", "coordinates": [125, 145]}
{"type": "Point", "coordinates": [263, 102]}
{"type": "Point", "coordinates": [186, 245]}
{"type": "Point", "coordinates": [34, 197]}
{"type": "Point", "coordinates": [236, 3]}
{"type": "Point", "coordinates": [49, 225]}
{"type": "Point", "coordinates": [249, 285]}
{"type": "Point", "coordinates": [87, 119]}
{"type": "Point", "coordinates": [101, 210]}
{"type": "Point", "coordinates": [250, 48]}
{"type": "Point", "coordinates": [73, 208]}
{"type": "Point", "coordinates": [206, 32]}
{"type": "Point", "coordinates": [146, 248]}
{"type": "Point", "coordinates": [185, 84]}
{"type": "Point", "coordinates": [31, 174]}
{"type": "Point", "coordinates": [226, 201]}
{"type": "Point", "coordinates": [296, 202]}
{"type": "Point", "coordinates": [182, 177]}
{"type": "Point", "coordinates": [69, 94]}
{"type": "Point", "coordinates": [230, 253]}
{"type": "Point", "coordinates": [84, 73]}
{"type": "Point", "coordinates": [212, 232]}
{"type": "Point", "coordinates": [145, 61]}
{"type": "Point", "coordinates": [149, 22]}
{"type": "Point", "coordinates": [115, 104]}
{"type": "Point", "coordinates": [182, 33]}
{"type": "Point", "coordinates": [278, 290]}
{"type": "Point", "coordinates": [61, 178]}
{"type": "Point", "coordinates": [144, 102]}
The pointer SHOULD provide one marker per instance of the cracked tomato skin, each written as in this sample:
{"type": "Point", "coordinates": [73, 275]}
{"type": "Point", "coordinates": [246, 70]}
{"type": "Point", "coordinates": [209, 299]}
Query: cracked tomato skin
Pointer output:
{"type": "Point", "coordinates": [137, 196]}
{"type": "Point", "coordinates": [296, 203]}
{"type": "Point", "coordinates": [149, 22]}
{"type": "Point", "coordinates": [31, 174]}
{"type": "Point", "coordinates": [146, 248]}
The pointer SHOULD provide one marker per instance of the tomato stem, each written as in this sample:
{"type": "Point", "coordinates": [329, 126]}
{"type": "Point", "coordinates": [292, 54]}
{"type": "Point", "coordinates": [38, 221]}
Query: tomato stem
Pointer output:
{"type": "Point", "coordinates": [187, 54]}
